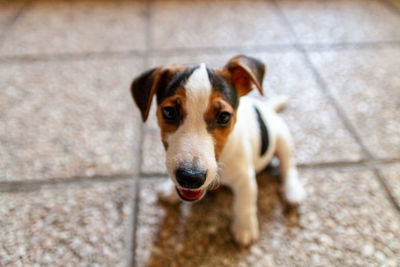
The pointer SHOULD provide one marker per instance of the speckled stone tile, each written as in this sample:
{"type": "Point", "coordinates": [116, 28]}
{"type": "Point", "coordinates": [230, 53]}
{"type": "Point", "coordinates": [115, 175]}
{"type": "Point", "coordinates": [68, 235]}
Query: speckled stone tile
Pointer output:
{"type": "Point", "coordinates": [50, 27]}
{"type": "Point", "coordinates": [341, 21]}
{"type": "Point", "coordinates": [66, 226]}
{"type": "Point", "coordinates": [309, 115]}
{"type": "Point", "coordinates": [8, 9]}
{"type": "Point", "coordinates": [73, 118]}
{"type": "Point", "coordinates": [190, 24]}
{"type": "Point", "coordinates": [346, 221]}
{"type": "Point", "coordinates": [391, 174]}
{"type": "Point", "coordinates": [366, 85]}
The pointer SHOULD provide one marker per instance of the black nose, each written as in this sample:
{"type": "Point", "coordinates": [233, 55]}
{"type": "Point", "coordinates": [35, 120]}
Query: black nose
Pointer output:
{"type": "Point", "coordinates": [189, 178]}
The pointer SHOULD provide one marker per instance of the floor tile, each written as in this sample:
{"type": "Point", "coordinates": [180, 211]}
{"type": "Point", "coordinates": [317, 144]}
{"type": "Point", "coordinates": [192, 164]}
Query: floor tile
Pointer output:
{"type": "Point", "coordinates": [309, 115]}
{"type": "Point", "coordinates": [50, 27]}
{"type": "Point", "coordinates": [72, 118]}
{"type": "Point", "coordinates": [391, 174]}
{"type": "Point", "coordinates": [341, 21]}
{"type": "Point", "coordinates": [366, 85]}
{"type": "Point", "coordinates": [346, 220]}
{"type": "Point", "coordinates": [66, 226]}
{"type": "Point", "coordinates": [178, 24]}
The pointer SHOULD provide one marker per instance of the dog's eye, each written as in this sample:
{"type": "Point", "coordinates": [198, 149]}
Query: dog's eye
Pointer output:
{"type": "Point", "coordinates": [170, 113]}
{"type": "Point", "coordinates": [224, 118]}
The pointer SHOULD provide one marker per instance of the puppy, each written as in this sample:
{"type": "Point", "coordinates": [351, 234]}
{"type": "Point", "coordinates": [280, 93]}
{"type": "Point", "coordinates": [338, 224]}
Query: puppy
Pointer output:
{"type": "Point", "coordinates": [207, 135]}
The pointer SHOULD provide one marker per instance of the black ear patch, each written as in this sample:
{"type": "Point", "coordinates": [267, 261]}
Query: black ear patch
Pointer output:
{"type": "Point", "coordinates": [263, 132]}
{"type": "Point", "coordinates": [143, 89]}
{"type": "Point", "coordinates": [173, 82]}
{"type": "Point", "coordinates": [221, 85]}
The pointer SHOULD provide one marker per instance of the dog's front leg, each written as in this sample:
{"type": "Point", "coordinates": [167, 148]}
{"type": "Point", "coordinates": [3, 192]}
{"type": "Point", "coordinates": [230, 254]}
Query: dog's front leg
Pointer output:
{"type": "Point", "coordinates": [293, 189]}
{"type": "Point", "coordinates": [245, 223]}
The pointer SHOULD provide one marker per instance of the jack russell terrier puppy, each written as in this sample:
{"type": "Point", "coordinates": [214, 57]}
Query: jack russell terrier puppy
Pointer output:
{"type": "Point", "coordinates": [209, 137]}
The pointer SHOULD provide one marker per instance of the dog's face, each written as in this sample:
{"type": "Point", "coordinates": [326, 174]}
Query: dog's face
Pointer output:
{"type": "Point", "coordinates": [196, 112]}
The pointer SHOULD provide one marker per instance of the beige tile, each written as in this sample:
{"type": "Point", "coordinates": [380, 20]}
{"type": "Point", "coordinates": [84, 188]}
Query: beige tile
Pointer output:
{"type": "Point", "coordinates": [190, 24]}
{"type": "Point", "coordinates": [366, 85]}
{"type": "Point", "coordinates": [310, 117]}
{"type": "Point", "coordinates": [346, 220]}
{"type": "Point", "coordinates": [391, 174]}
{"type": "Point", "coordinates": [61, 119]}
{"type": "Point", "coordinates": [153, 153]}
{"type": "Point", "coordinates": [66, 226]}
{"type": "Point", "coordinates": [50, 27]}
{"type": "Point", "coordinates": [331, 21]}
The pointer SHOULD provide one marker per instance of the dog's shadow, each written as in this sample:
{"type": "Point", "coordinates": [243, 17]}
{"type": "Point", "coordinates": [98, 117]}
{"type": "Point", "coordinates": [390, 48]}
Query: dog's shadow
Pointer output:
{"type": "Point", "coordinates": [199, 234]}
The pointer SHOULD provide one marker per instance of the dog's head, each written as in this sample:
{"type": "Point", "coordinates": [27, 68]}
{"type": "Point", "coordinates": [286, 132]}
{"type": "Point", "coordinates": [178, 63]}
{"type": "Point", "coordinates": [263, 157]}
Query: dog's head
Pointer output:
{"type": "Point", "coordinates": [196, 112]}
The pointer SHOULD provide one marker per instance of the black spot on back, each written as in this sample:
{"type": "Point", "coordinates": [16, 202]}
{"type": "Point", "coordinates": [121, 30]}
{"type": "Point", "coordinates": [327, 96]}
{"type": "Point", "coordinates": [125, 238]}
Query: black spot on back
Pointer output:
{"type": "Point", "coordinates": [221, 85]}
{"type": "Point", "coordinates": [263, 131]}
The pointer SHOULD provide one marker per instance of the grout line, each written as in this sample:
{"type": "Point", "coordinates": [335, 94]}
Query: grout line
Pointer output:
{"type": "Point", "coordinates": [146, 53]}
{"type": "Point", "coordinates": [280, 48]}
{"type": "Point", "coordinates": [10, 24]}
{"type": "Point", "coordinates": [385, 186]}
{"type": "Point", "coordinates": [224, 49]}
{"type": "Point", "coordinates": [338, 164]}
{"type": "Point", "coordinates": [315, 166]}
{"type": "Point", "coordinates": [133, 223]}
{"type": "Point", "coordinates": [69, 56]}
{"type": "Point", "coordinates": [324, 47]}
{"type": "Point", "coordinates": [18, 186]}
{"type": "Point", "coordinates": [136, 206]}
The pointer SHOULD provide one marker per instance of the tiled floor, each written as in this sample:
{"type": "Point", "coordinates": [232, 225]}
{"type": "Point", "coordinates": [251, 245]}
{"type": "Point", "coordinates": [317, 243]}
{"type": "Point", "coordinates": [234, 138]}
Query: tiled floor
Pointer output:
{"type": "Point", "coordinates": [79, 172]}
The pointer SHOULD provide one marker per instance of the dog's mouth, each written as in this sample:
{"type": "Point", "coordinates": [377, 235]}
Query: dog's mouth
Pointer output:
{"type": "Point", "coordinates": [190, 195]}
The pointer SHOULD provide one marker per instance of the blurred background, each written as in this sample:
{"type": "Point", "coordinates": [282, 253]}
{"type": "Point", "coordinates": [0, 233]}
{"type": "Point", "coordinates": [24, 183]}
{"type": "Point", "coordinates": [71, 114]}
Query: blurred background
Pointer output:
{"type": "Point", "coordinates": [79, 171]}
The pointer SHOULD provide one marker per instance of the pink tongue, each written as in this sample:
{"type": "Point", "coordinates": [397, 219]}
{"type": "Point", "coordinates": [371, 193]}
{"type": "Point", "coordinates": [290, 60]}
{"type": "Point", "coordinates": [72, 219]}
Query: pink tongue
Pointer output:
{"type": "Point", "coordinates": [190, 194]}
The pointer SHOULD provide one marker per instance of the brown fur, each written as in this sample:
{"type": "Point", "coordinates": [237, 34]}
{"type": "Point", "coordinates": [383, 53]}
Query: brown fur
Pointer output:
{"type": "Point", "coordinates": [220, 134]}
{"type": "Point", "coordinates": [179, 98]}
{"type": "Point", "coordinates": [244, 72]}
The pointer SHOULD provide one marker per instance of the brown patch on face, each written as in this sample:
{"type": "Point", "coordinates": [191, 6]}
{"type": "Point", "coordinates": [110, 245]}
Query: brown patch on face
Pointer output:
{"type": "Point", "coordinates": [220, 133]}
{"type": "Point", "coordinates": [177, 101]}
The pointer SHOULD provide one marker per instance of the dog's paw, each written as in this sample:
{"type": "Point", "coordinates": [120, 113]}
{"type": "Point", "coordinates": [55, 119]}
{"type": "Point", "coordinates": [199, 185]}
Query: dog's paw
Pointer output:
{"type": "Point", "coordinates": [245, 233]}
{"type": "Point", "coordinates": [295, 193]}
{"type": "Point", "coordinates": [167, 193]}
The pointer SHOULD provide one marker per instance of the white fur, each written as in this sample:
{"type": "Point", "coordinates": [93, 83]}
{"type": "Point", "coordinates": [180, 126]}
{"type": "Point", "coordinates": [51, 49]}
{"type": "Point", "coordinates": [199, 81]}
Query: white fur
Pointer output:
{"type": "Point", "coordinates": [240, 159]}
{"type": "Point", "coordinates": [192, 138]}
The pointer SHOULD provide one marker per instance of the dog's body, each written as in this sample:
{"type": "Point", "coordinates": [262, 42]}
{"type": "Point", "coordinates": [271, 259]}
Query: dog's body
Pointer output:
{"type": "Point", "coordinates": [207, 134]}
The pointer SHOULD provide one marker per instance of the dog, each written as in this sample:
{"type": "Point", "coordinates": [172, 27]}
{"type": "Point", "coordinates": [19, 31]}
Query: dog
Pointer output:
{"type": "Point", "coordinates": [209, 137]}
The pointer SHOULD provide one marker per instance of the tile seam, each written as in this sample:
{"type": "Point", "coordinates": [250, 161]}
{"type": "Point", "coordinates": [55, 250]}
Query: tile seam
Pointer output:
{"type": "Point", "coordinates": [133, 246]}
{"type": "Point", "coordinates": [385, 186]}
{"type": "Point", "coordinates": [34, 185]}
{"type": "Point", "coordinates": [312, 47]}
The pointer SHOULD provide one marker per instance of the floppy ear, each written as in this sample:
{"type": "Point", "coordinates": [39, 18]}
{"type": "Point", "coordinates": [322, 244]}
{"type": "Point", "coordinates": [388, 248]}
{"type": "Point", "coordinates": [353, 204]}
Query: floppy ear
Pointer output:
{"type": "Point", "coordinates": [246, 71]}
{"type": "Point", "coordinates": [144, 87]}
